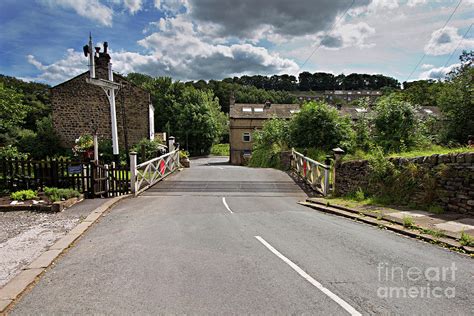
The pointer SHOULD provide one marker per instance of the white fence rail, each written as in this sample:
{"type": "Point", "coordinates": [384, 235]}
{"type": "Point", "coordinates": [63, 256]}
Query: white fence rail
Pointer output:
{"type": "Point", "coordinates": [150, 172]}
{"type": "Point", "coordinates": [314, 173]}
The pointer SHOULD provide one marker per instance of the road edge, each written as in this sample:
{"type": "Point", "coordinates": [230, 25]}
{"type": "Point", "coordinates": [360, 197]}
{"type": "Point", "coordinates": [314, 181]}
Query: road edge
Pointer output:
{"type": "Point", "coordinates": [389, 225]}
{"type": "Point", "coordinates": [31, 274]}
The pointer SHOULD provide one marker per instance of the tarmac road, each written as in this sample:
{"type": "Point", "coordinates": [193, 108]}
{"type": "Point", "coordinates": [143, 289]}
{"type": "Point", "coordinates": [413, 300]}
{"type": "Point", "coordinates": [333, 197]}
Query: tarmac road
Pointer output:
{"type": "Point", "coordinates": [221, 239]}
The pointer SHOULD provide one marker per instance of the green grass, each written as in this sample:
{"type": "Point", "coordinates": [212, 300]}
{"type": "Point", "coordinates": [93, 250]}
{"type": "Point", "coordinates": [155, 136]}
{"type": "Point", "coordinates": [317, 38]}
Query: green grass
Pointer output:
{"type": "Point", "coordinates": [433, 232]}
{"type": "Point", "coordinates": [432, 150]}
{"type": "Point", "coordinates": [220, 150]}
{"type": "Point", "coordinates": [466, 240]}
{"type": "Point", "coordinates": [408, 222]}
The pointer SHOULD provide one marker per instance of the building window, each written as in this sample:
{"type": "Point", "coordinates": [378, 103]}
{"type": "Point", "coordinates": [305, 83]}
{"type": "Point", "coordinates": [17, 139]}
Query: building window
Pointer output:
{"type": "Point", "coordinates": [246, 137]}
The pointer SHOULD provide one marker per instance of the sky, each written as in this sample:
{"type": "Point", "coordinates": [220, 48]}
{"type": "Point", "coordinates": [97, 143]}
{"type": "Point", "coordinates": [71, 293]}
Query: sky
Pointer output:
{"type": "Point", "coordinates": [42, 40]}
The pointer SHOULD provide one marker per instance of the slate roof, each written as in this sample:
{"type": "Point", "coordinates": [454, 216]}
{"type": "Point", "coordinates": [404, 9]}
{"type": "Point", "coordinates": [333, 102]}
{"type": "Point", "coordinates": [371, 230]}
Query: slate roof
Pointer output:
{"type": "Point", "coordinates": [259, 111]}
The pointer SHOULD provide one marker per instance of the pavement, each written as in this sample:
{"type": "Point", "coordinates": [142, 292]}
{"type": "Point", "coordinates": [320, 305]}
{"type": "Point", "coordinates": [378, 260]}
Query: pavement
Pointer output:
{"type": "Point", "coordinates": [221, 239]}
{"type": "Point", "coordinates": [450, 224]}
{"type": "Point", "coordinates": [25, 235]}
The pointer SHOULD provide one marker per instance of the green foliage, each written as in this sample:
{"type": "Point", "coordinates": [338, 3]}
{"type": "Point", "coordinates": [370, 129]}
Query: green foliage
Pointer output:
{"type": "Point", "coordinates": [320, 126]}
{"type": "Point", "coordinates": [11, 152]}
{"type": "Point", "coordinates": [42, 143]}
{"type": "Point", "coordinates": [152, 149]}
{"type": "Point", "coordinates": [466, 239]}
{"type": "Point", "coordinates": [183, 154]}
{"type": "Point", "coordinates": [266, 157]}
{"type": "Point", "coordinates": [268, 144]}
{"type": "Point", "coordinates": [56, 194]}
{"type": "Point", "coordinates": [359, 195]}
{"type": "Point", "coordinates": [12, 111]}
{"type": "Point", "coordinates": [193, 116]}
{"type": "Point", "coordinates": [24, 195]}
{"type": "Point", "coordinates": [457, 103]}
{"type": "Point", "coordinates": [395, 124]}
{"type": "Point", "coordinates": [220, 150]}
{"type": "Point", "coordinates": [408, 222]}
{"type": "Point", "coordinates": [85, 142]}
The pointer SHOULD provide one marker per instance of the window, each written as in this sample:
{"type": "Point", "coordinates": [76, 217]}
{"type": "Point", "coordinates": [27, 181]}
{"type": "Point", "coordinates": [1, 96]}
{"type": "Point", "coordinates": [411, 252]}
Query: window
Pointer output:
{"type": "Point", "coordinates": [258, 110]}
{"type": "Point", "coordinates": [246, 137]}
{"type": "Point", "coordinates": [246, 109]}
{"type": "Point", "coordinates": [361, 110]}
{"type": "Point", "coordinates": [294, 111]}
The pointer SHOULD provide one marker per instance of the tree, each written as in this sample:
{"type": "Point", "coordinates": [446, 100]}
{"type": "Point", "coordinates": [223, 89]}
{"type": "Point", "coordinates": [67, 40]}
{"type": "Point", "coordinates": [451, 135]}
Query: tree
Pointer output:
{"type": "Point", "coordinates": [12, 113]}
{"type": "Point", "coordinates": [456, 102]}
{"type": "Point", "coordinates": [320, 126]}
{"type": "Point", "coordinates": [396, 125]}
{"type": "Point", "coordinates": [269, 142]}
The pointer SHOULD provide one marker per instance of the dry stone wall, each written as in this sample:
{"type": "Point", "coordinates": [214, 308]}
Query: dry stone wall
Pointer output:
{"type": "Point", "coordinates": [452, 178]}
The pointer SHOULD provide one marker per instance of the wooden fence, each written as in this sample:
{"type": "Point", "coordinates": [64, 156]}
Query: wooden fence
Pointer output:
{"type": "Point", "coordinates": [86, 177]}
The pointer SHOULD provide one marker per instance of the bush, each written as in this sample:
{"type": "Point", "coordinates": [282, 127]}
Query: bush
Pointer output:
{"type": "Point", "coordinates": [56, 194]}
{"type": "Point", "coordinates": [24, 195]}
{"type": "Point", "coordinates": [266, 157]}
{"type": "Point", "coordinates": [268, 143]}
{"type": "Point", "coordinates": [396, 125]}
{"type": "Point", "coordinates": [183, 154]}
{"type": "Point", "coordinates": [320, 126]}
{"type": "Point", "coordinates": [11, 152]}
{"type": "Point", "coordinates": [220, 150]}
{"type": "Point", "coordinates": [152, 148]}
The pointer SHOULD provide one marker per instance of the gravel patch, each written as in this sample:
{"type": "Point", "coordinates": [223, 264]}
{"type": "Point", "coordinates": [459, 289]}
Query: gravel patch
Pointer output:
{"type": "Point", "coordinates": [25, 235]}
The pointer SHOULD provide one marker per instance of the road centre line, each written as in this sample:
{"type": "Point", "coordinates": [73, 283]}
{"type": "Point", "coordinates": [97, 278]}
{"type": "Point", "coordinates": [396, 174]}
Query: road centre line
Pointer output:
{"type": "Point", "coordinates": [226, 206]}
{"type": "Point", "coordinates": [351, 310]}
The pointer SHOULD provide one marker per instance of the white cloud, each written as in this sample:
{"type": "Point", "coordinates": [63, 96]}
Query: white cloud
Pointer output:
{"type": "Point", "coordinates": [414, 3]}
{"type": "Point", "coordinates": [133, 5]}
{"type": "Point", "coordinates": [171, 6]}
{"type": "Point", "coordinates": [445, 41]}
{"type": "Point", "coordinates": [73, 64]}
{"type": "Point", "coordinates": [348, 35]}
{"type": "Point", "coordinates": [427, 66]}
{"type": "Point", "coordinates": [91, 9]}
{"type": "Point", "coordinates": [438, 73]}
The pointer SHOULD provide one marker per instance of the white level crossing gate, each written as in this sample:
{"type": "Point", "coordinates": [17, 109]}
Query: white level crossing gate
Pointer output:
{"type": "Point", "coordinates": [148, 173]}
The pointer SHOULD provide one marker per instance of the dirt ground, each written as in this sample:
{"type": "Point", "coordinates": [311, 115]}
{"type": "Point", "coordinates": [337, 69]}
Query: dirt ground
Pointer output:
{"type": "Point", "coordinates": [24, 235]}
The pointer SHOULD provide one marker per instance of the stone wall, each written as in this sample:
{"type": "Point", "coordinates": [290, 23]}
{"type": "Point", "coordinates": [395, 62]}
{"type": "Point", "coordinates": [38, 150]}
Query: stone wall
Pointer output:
{"type": "Point", "coordinates": [79, 107]}
{"type": "Point", "coordinates": [452, 178]}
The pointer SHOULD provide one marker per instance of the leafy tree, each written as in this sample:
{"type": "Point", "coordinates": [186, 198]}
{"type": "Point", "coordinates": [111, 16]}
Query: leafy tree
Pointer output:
{"type": "Point", "coordinates": [320, 126]}
{"type": "Point", "coordinates": [42, 143]}
{"type": "Point", "coordinates": [456, 102]}
{"type": "Point", "coordinates": [269, 142]}
{"type": "Point", "coordinates": [12, 113]}
{"type": "Point", "coordinates": [396, 125]}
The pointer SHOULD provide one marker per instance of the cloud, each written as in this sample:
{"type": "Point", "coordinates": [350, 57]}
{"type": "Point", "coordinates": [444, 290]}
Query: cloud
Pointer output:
{"type": "Point", "coordinates": [414, 3]}
{"type": "Point", "coordinates": [445, 41]}
{"type": "Point", "coordinates": [427, 66]}
{"type": "Point", "coordinates": [73, 64]}
{"type": "Point", "coordinates": [91, 9]}
{"type": "Point", "coordinates": [348, 35]}
{"type": "Point", "coordinates": [133, 6]}
{"type": "Point", "coordinates": [171, 6]}
{"type": "Point", "coordinates": [248, 18]}
{"type": "Point", "coordinates": [438, 73]}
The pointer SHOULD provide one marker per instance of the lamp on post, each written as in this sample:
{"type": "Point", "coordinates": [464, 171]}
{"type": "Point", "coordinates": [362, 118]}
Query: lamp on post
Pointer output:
{"type": "Point", "coordinates": [338, 152]}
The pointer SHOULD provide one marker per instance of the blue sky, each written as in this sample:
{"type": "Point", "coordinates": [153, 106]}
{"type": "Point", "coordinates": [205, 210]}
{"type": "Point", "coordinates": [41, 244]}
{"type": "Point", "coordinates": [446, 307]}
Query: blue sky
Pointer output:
{"type": "Point", "coordinates": [42, 40]}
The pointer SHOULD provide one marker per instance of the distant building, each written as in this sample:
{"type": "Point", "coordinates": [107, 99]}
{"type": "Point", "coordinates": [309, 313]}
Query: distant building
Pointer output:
{"type": "Point", "coordinates": [245, 119]}
{"type": "Point", "coordinates": [80, 108]}
{"type": "Point", "coordinates": [339, 96]}
{"type": "Point", "coordinates": [354, 112]}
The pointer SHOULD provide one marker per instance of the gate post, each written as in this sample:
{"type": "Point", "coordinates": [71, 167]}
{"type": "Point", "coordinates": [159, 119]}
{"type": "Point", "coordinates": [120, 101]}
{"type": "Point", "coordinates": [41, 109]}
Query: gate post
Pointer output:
{"type": "Point", "coordinates": [133, 172]}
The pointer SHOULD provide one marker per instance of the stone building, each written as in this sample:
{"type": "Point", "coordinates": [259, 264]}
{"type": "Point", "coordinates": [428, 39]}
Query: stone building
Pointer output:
{"type": "Point", "coordinates": [245, 119]}
{"type": "Point", "coordinates": [80, 108]}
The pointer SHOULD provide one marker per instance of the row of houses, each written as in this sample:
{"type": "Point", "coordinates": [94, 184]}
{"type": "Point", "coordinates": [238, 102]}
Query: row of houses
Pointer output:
{"type": "Point", "coordinates": [245, 119]}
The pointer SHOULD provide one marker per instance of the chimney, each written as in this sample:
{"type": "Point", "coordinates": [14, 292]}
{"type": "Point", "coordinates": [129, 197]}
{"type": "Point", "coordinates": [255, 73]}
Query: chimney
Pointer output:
{"type": "Point", "coordinates": [338, 107]}
{"type": "Point", "coordinates": [268, 104]}
{"type": "Point", "coordinates": [103, 59]}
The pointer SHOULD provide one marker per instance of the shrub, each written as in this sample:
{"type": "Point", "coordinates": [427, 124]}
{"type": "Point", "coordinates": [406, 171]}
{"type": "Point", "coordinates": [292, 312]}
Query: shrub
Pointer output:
{"type": "Point", "coordinates": [408, 222]}
{"type": "Point", "coordinates": [466, 240]}
{"type": "Point", "coordinates": [24, 195]}
{"type": "Point", "coordinates": [56, 194]}
{"type": "Point", "coordinates": [268, 143]}
{"type": "Point", "coordinates": [183, 154]}
{"type": "Point", "coordinates": [320, 126]}
{"type": "Point", "coordinates": [11, 152]}
{"type": "Point", "coordinates": [265, 157]}
{"type": "Point", "coordinates": [152, 148]}
{"type": "Point", "coordinates": [395, 124]}
{"type": "Point", "coordinates": [220, 150]}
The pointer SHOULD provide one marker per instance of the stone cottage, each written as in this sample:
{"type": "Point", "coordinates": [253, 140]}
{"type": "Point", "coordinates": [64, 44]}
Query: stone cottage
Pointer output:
{"type": "Point", "coordinates": [245, 119]}
{"type": "Point", "coordinates": [80, 108]}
